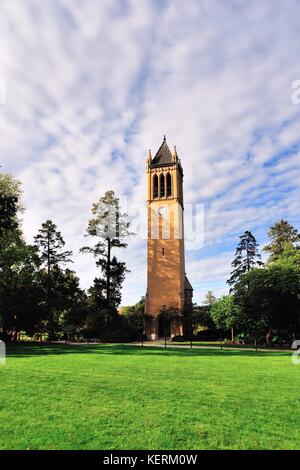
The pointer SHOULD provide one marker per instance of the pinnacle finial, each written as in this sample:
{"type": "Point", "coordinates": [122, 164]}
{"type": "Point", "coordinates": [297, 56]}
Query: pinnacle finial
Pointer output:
{"type": "Point", "coordinates": [165, 138]}
{"type": "Point", "coordinates": [175, 156]}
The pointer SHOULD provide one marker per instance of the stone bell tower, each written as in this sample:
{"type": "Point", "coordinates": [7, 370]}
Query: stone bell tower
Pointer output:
{"type": "Point", "coordinates": [167, 284]}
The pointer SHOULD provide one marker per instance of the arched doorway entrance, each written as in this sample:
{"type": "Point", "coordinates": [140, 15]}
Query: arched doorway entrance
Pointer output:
{"type": "Point", "coordinates": [164, 327]}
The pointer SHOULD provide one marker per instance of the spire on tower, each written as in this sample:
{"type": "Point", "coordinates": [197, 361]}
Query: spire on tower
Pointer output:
{"type": "Point", "coordinates": [163, 154]}
{"type": "Point", "coordinates": [175, 156]}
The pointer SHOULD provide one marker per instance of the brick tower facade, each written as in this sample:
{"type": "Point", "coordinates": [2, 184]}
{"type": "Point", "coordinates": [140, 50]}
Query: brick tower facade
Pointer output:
{"type": "Point", "coordinates": [167, 284]}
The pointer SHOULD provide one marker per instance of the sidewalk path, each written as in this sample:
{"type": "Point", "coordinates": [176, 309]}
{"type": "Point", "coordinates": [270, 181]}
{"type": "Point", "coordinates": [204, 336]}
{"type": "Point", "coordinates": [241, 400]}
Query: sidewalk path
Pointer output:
{"type": "Point", "coordinates": [161, 344]}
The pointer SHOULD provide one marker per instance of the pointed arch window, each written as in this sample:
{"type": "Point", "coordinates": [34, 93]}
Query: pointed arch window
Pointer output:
{"type": "Point", "coordinates": [162, 186]}
{"type": "Point", "coordinates": [169, 185]}
{"type": "Point", "coordinates": [155, 186]}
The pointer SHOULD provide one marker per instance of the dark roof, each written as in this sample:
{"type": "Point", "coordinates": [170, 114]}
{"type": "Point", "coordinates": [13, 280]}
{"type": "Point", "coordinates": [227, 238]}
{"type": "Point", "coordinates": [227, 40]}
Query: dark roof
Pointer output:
{"type": "Point", "coordinates": [163, 155]}
{"type": "Point", "coordinates": [187, 284]}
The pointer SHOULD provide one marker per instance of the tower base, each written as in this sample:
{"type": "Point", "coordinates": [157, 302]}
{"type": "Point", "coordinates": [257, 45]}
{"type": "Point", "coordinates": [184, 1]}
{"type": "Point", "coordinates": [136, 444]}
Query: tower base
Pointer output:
{"type": "Point", "coordinates": [156, 328]}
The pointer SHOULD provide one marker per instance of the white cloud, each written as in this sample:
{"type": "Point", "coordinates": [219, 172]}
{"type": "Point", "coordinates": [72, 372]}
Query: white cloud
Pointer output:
{"type": "Point", "coordinates": [89, 89]}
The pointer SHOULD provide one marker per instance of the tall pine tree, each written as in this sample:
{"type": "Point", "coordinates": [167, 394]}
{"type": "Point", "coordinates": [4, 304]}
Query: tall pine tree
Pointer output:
{"type": "Point", "coordinates": [51, 245]}
{"type": "Point", "coordinates": [111, 228]}
{"type": "Point", "coordinates": [246, 257]}
{"type": "Point", "coordinates": [210, 298]}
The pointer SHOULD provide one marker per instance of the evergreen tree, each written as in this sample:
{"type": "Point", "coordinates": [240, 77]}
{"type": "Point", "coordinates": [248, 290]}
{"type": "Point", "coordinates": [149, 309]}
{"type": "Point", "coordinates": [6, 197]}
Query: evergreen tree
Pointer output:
{"type": "Point", "coordinates": [209, 298]}
{"type": "Point", "coordinates": [246, 257]}
{"type": "Point", "coordinates": [50, 244]}
{"type": "Point", "coordinates": [110, 226]}
{"type": "Point", "coordinates": [96, 294]}
{"type": "Point", "coordinates": [283, 236]}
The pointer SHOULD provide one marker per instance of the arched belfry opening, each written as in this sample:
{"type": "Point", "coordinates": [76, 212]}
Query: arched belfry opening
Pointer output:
{"type": "Point", "coordinates": [162, 185]}
{"type": "Point", "coordinates": [155, 187]}
{"type": "Point", "coordinates": [169, 185]}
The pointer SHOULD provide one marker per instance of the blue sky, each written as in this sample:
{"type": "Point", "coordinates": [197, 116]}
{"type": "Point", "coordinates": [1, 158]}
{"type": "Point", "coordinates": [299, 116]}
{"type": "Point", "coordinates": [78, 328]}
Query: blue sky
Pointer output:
{"type": "Point", "coordinates": [90, 86]}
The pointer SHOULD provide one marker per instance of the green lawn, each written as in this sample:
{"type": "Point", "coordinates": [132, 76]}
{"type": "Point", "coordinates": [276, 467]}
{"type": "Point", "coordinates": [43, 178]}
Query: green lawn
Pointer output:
{"type": "Point", "coordinates": [114, 397]}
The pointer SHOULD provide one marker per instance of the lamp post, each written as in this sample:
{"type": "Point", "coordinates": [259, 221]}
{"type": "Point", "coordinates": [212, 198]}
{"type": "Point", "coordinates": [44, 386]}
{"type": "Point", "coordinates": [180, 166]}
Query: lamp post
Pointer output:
{"type": "Point", "coordinates": [143, 323]}
{"type": "Point", "coordinates": [191, 330]}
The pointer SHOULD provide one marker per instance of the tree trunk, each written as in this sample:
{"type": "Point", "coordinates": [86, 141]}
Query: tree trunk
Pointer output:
{"type": "Point", "coordinates": [248, 258]}
{"type": "Point", "coordinates": [232, 335]}
{"type": "Point", "coordinates": [48, 255]}
{"type": "Point", "coordinates": [269, 335]}
{"type": "Point", "coordinates": [14, 336]}
{"type": "Point", "coordinates": [49, 301]}
{"type": "Point", "coordinates": [108, 273]}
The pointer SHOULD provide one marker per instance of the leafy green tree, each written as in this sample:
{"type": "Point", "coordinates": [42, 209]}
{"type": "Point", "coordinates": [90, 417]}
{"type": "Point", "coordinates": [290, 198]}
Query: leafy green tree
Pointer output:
{"type": "Point", "coordinates": [68, 312]}
{"type": "Point", "coordinates": [283, 237]}
{"type": "Point", "coordinates": [8, 212]}
{"type": "Point", "coordinates": [19, 289]}
{"type": "Point", "coordinates": [19, 264]}
{"type": "Point", "coordinates": [71, 305]}
{"type": "Point", "coordinates": [246, 257]}
{"type": "Point", "coordinates": [201, 317]}
{"type": "Point", "coordinates": [135, 319]}
{"type": "Point", "coordinates": [269, 299]}
{"type": "Point", "coordinates": [201, 314]}
{"type": "Point", "coordinates": [10, 186]}
{"type": "Point", "coordinates": [10, 194]}
{"type": "Point", "coordinates": [110, 226]}
{"type": "Point", "coordinates": [225, 313]}
{"type": "Point", "coordinates": [290, 257]}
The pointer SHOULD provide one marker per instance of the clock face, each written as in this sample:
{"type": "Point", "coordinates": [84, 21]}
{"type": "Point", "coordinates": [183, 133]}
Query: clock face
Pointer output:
{"type": "Point", "coordinates": [162, 210]}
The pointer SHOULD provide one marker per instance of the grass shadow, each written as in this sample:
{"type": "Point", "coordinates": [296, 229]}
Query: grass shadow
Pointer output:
{"type": "Point", "coordinates": [31, 350]}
